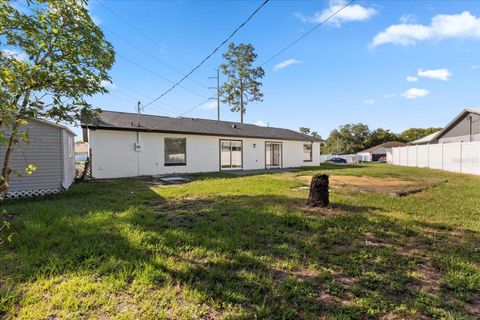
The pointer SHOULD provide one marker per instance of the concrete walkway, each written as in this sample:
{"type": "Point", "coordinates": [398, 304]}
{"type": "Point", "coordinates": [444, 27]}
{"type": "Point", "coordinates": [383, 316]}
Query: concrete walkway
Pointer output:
{"type": "Point", "coordinates": [259, 171]}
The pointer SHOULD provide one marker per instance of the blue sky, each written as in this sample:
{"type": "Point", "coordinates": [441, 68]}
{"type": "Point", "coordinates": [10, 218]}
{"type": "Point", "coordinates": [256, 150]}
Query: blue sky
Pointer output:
{"type": "Point", "coordinates": [354, 69]}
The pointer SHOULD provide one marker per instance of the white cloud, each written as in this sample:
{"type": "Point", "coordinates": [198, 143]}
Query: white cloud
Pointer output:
{"type": "Point", "coordinates": [108, 85]}
{"type": "Point", "coordinates": [476, 66]}
{"type": "Point", "coordinates": [408, 18]}
{"type": "Point", "coordinates": [284, 64]}
{"type": "Point", "coordinates": [390, 95]}
{"type": "Point", "coordinates": [440, 74]}
{"type": "Point", "coordinates": [353, 12]}
{"type": "Point", "coordinates": [369, 101]}
{"type": "Point", "coordinates": [414, 93]}
{"type": "Point", "coordinates": [212, 104]}
{"type": "Point", "coordinates": [261, 123]}
{"type": "Point", "coordinates": [442, 26]}
{"type": "Point", "coordinates": [411, 79]}
{"type": "Point", "coordinates": [14, 54]}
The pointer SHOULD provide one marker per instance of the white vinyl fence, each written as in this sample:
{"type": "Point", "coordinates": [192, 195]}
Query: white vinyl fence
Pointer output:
{"type": "Point", "coordinates": [463, 157]}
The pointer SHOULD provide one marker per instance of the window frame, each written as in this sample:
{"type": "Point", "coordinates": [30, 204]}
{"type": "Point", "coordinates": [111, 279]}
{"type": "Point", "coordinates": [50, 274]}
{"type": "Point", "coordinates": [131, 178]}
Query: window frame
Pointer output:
{"type": "Point", "coordinates": [311, 152]}
{"type": "Point", "coordinates": [165, 164]}
{"type": "Point", "coordinates": [220, 154]}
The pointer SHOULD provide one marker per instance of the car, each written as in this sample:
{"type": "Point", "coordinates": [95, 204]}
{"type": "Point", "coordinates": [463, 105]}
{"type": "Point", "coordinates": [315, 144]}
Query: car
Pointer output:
{"type": "Point", "coordinates": [337, 160]}
{"type": "Point", "coordinates": [382, 160]}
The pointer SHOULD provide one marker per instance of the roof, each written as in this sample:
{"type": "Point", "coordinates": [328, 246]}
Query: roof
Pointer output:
{"type": "Point", "coordinates": [53, 124]}
{"type": "Point", "coordinates": [427, 139]}
{"type": "Point", "coordinates": [456, 120]}
{"type": "Point", "coordinates": [389, 144]}
{"type": "Point", "coordinates": [113, 120]}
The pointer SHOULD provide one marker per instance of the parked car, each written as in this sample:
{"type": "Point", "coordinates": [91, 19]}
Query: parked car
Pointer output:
{"type": "Point", "coordinates": [337, 160]}
{"type": "Point", "coordinates": [382, 160]}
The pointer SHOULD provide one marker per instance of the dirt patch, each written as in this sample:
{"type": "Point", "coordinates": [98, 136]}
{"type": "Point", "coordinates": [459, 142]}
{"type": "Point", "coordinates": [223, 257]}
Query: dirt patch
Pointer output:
{"type": "Point", "coordinates": [392, 186]}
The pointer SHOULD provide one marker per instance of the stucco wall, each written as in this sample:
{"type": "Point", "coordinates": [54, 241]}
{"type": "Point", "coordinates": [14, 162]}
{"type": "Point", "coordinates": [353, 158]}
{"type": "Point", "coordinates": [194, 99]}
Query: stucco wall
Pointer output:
{"type": "Point", "coordinates": [114, 156]}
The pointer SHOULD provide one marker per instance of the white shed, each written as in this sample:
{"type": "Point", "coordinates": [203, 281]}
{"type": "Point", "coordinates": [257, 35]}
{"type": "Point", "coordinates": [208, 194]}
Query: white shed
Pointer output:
{"type": "Point", "coordinates": [51, 150]}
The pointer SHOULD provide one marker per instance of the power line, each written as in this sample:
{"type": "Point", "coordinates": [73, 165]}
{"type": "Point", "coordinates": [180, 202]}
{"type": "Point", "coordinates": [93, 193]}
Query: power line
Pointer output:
{"type": "Point", "coordinates": [210, 55]}
{"type": "Point", "coordinates": [139, 31]}
{"type": "Point", "coordinates": [306, 33]}
{"type": "Point", "coordinates": [150, 55]}
{"type": "Point", "coordinates": [158, 75]}
{"type": "Point", "coordinates": [195, 107]}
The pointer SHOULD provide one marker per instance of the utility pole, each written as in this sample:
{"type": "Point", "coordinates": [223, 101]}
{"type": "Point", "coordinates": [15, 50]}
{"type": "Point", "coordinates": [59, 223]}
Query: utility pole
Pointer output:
{"type": "Point", "coordinates": [139, 109]}
{"type": "Point", "coordinates": [241, 100]}
{"type": "Point", "coordinates": [218, 92]}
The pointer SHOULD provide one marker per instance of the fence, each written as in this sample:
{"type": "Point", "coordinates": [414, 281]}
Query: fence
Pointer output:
{"type": "Point", "coordinates": [463, 157]}
{"type": "Point", "coordinates": [351, 158]}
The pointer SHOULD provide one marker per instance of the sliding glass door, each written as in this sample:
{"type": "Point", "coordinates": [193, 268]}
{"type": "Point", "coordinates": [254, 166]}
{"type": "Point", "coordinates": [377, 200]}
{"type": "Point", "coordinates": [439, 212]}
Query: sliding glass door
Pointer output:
{"type": "Point", "coordinates": [273, 155]}
{"type": "Point", "coordinates": [230, 154]}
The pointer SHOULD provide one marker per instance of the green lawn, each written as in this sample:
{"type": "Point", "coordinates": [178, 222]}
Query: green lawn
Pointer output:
{"type": "Point", "coordinates": [245, 247]}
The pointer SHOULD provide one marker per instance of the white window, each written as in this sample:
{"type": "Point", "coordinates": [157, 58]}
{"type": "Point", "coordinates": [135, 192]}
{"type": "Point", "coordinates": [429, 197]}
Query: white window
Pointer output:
{"type": "Point", "coordinates": [175, 151]}
{"type": "Point", "coordinates": [70, 147]}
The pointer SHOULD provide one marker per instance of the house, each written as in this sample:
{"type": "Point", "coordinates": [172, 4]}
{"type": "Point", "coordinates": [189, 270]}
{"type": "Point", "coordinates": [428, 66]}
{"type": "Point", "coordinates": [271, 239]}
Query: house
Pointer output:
{"type": "Point", "coordinates": [431, 138]}
{"type": "Point", "coordinates": [375, 153]}
{"type": "Point", "coordinates": [128, 144]}
{"type": "Point", "coordinates": [50, 150]}
{"type": "Point", "coordinates": [465, 127]}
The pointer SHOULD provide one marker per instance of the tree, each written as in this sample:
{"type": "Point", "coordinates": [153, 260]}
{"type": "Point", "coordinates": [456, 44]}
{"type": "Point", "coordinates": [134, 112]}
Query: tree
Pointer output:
{"type": "Point", "coordinates": [348, 139]}
{"type": "Point", "coordinates": [413, 134]}
{"type": "Point", "coordinates": [52, 56]}
{"type": "Point", "coordinates": [304, 130]}
{"type": "Point", "coordinates": [242, 86]}
{"type": "Point", "coordinates": [380, 136]}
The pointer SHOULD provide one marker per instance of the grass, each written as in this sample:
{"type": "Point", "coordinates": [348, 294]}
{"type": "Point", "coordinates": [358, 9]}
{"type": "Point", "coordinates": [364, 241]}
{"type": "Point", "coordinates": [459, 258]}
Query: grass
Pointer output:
{"type": "Point", "coordinates": [245, 247]}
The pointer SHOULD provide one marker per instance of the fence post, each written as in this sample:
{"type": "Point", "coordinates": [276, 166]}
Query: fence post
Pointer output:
{"type": "Point", "coordinates": [416, 152]}
{"type": "Point", "coordinates": [461, 157]}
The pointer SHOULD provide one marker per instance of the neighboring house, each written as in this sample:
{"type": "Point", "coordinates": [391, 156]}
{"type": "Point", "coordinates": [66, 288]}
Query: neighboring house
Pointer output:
{"type": "Point", "coordinates": [431, 138]}
{"type": "Point", "coordinates": [50, 150]}
{"type": "Point", "coordinates": [375, 153]}
{"type": "Point", "coordinates": [463, 128]}
{"type": "Point", "coordinates": [126, 145]}
{"type": "Point", "coordinates": [81, 151]}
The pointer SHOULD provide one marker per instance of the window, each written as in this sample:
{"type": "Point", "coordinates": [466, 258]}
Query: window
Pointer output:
{"type": "Point", "coordinates": [70, 146]}
{"type": "Point", "coordinates": [231, 154]}
{"type": "Point", "coordinates": [307, 152]}
{"type": "Point", "coordinates": [175, 151]}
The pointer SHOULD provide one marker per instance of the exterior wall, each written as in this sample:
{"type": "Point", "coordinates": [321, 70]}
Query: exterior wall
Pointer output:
{"type": "Point", "coordinates": [113, 154]}
{"type": "Point", "coordinates": [461, 132]}
{"type": "Point", "coordinates": [44, 150]}
{"type": "Point", "coordinates": [68, 158]}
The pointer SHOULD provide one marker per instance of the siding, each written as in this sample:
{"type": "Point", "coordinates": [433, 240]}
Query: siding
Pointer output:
{"type": "Point", "coordinates": [113, 154]}
{"type": "Point", "coordinates": [461, 132]}
{"type": "Point", "coordinates": [42, 151]}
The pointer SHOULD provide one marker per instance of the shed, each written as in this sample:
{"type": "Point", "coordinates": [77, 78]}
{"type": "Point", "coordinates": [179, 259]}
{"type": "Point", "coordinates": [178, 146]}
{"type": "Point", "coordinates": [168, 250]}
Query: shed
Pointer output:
{"type": "Point", "coordinates": [51, 150]}
{"type": "Point", "coordinates": [376, 152]}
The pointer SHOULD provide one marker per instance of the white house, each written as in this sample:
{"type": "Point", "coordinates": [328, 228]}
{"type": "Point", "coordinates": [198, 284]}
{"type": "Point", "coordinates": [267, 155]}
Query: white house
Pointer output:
{"type": "Point", "coordinates": [50, 150]}
{"type": "Point", "coordinates": [127, 145]}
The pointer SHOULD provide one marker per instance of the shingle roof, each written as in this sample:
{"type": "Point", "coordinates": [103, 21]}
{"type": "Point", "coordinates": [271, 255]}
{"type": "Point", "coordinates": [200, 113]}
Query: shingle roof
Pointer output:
{"type": "Point", "coordinates": [431, 137]}
{"type": "Point", "coordinates": [389, 144]}
{"type": "Point", "coordinates": [113, 120]}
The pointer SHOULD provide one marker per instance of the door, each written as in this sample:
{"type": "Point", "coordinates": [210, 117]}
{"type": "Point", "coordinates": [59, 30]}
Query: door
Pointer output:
{"type": "Point", "coordinates": [273, 155]}
{"type": "Point", "coordinates": [230, 154]}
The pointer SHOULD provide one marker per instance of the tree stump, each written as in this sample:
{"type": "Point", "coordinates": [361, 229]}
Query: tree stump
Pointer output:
{"type": "Point", "coordinates": [318, 196]}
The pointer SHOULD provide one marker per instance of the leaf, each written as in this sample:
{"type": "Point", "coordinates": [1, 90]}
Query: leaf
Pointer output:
{"type": "Point", "coordinates": [30, 169]}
